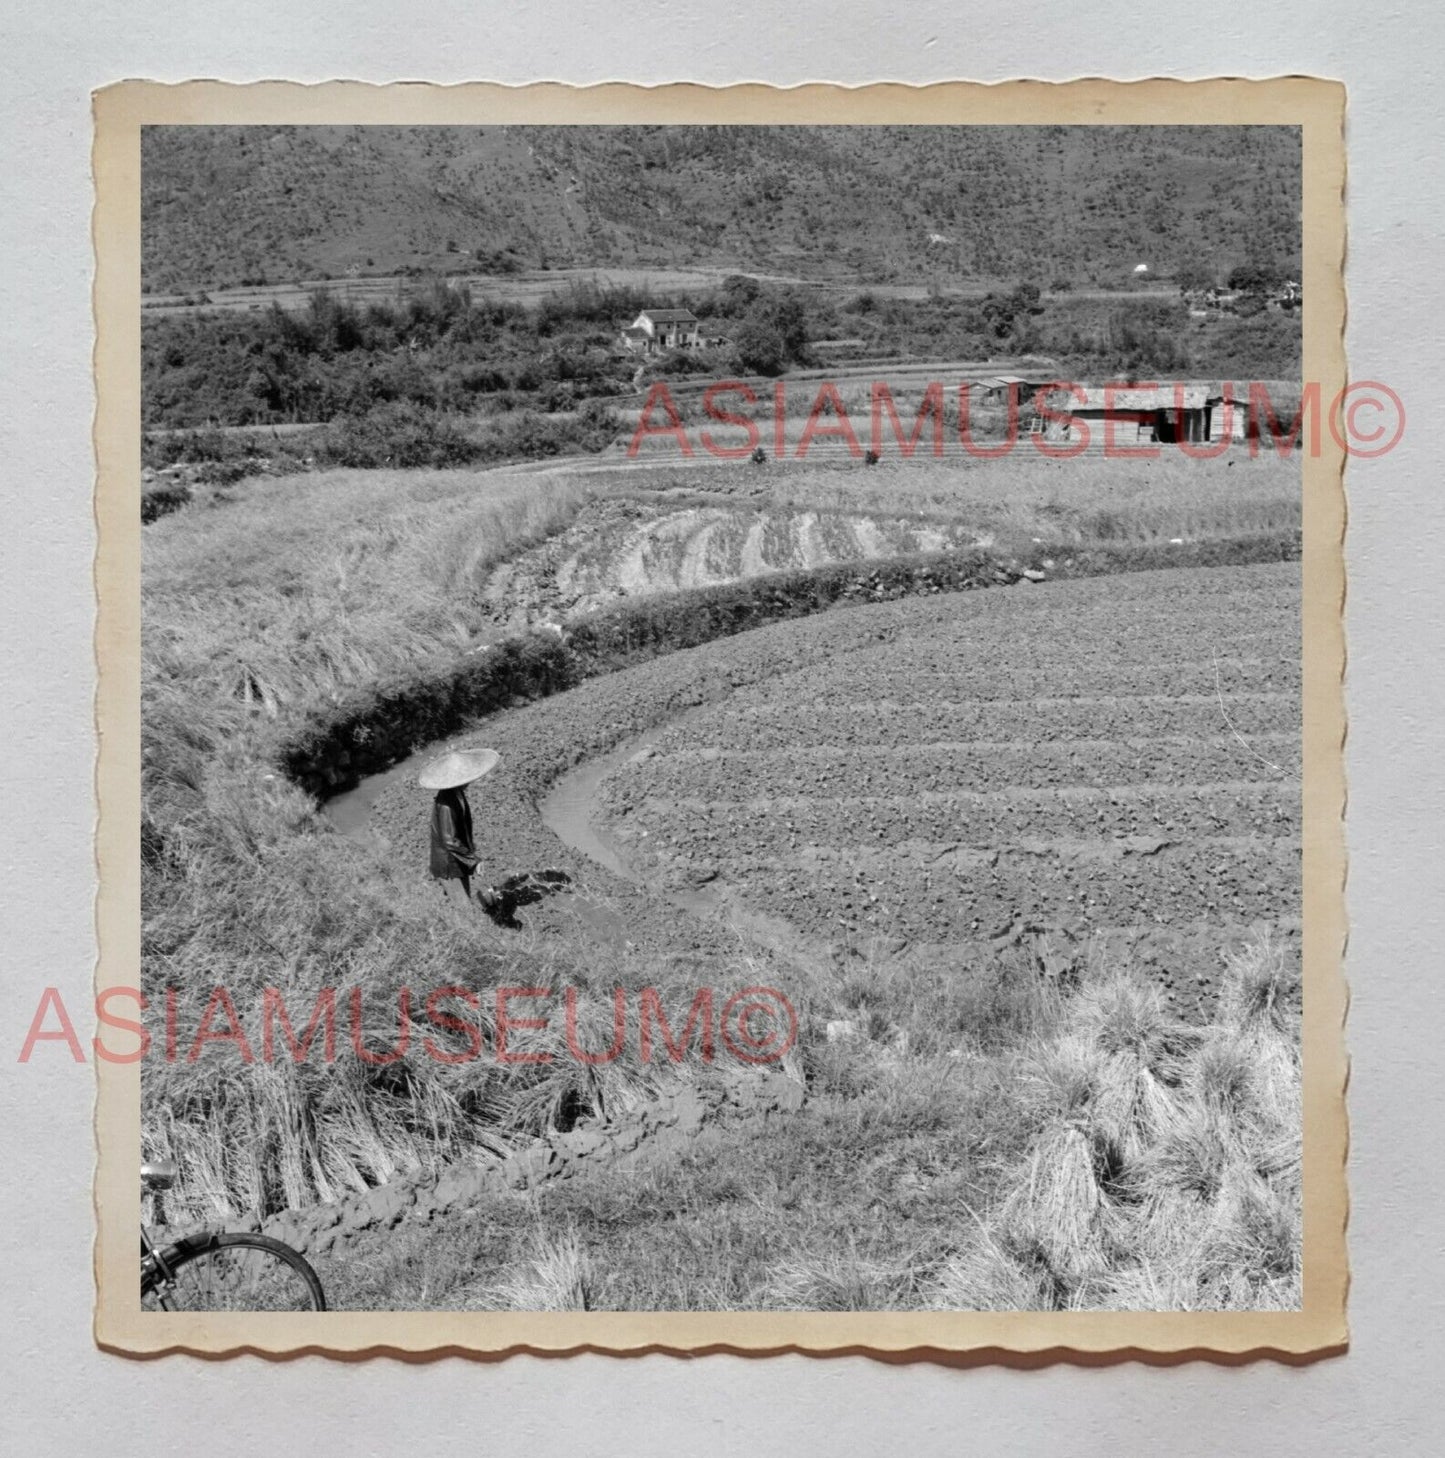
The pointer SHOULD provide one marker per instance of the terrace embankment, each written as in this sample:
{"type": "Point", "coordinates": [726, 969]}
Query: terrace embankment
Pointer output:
{"type": "Point", "coordinates": [663, 1127]}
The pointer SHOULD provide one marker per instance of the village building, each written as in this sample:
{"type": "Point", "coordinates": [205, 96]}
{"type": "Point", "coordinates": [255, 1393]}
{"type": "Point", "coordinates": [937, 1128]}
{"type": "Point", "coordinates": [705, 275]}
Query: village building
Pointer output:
{"type": "Point", "coordinates": [1130, 415]}
{"type": "Point", "coordinates": [996, 389]}
{"type": "Point", "coordinates": [655, 331]}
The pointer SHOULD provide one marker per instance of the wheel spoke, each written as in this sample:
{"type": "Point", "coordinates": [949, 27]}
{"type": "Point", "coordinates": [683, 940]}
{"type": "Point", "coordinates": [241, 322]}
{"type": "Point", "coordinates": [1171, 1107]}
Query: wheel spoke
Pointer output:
{"type": "Point", "coordinates": [238, 1273]}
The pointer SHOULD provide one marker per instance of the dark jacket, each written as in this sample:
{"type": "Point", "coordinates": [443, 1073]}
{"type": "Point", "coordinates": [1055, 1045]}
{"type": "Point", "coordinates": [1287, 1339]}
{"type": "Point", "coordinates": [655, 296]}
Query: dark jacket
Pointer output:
{"type": "Point", "coordinates": [453, 852]}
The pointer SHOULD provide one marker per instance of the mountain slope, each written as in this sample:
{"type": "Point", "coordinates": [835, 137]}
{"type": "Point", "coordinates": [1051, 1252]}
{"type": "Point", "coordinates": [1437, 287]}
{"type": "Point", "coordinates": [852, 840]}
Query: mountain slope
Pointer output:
{"type": "Point", "coordinates": [226, 205]}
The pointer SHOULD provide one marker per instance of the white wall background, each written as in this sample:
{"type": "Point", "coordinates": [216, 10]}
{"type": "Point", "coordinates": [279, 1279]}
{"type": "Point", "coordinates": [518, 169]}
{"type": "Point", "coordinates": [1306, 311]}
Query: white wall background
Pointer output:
{"type": "Point", "coordinates": [1384, 1397]}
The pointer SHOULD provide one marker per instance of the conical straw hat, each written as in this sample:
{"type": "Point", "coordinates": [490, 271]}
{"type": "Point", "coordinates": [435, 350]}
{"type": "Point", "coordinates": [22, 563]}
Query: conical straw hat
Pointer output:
{"type": "Point", "coordinates": [460, 767]}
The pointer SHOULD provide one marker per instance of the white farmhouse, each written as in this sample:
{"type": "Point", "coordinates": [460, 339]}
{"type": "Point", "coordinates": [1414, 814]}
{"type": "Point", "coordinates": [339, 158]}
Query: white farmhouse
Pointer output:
{"type": "Point", "coordinates": [657, 330]}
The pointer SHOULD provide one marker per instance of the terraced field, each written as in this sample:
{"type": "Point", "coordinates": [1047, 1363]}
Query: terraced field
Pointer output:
{"type": "Point", "coordinates": [669, 528]}
{"type": "Point", "coordinates": [622, 548]}
{"type": "Point", "coordinates": [1032, 767]}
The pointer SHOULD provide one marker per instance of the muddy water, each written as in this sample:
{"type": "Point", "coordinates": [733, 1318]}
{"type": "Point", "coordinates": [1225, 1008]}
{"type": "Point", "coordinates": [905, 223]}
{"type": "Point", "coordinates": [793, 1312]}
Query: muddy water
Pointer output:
{"type": "Point", "coordinates": [569, 811]}
{"type": "Point", "coordinates": [350, 811]}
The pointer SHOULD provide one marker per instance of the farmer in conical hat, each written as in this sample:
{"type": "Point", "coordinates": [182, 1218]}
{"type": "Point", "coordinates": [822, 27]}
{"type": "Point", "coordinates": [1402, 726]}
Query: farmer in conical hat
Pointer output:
{"type": "Point", "coordinates": [453, 851]}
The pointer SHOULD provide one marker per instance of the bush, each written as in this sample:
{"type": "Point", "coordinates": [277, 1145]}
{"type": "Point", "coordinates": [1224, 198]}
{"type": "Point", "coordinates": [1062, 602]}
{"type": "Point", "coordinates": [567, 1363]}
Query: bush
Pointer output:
{"type": "Point", "coordinates": [162, 500]}
{"type": "Point", "coordinates": [1256, 278]}
{"type": "Point", "coordinates": [758, 349]}
{"type": "Point", "coordinates": [206, 443]}
{"type": "Point", "coordinates": [397, 434]}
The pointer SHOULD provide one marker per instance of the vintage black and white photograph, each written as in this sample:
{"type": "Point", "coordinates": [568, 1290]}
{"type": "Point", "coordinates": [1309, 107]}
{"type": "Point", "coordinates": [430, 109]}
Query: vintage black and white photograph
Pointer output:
{"type": "Point", "coordinates": [721, 717]}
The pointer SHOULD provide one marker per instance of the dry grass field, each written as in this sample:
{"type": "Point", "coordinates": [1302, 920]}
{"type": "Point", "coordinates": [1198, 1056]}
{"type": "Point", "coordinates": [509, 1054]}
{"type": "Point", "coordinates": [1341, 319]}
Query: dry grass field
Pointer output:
{"type": "Point", "coordinates": [267, 603]}
{"type": "Point", "coordinates": [1089, 499]}
{"type": "Point", "coordinates": [1076, 1149]}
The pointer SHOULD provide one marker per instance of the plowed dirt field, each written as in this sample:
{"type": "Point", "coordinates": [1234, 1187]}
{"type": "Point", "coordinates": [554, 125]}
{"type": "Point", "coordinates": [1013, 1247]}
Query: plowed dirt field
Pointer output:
{"type": "Point", "coordinates": [1033, 767]}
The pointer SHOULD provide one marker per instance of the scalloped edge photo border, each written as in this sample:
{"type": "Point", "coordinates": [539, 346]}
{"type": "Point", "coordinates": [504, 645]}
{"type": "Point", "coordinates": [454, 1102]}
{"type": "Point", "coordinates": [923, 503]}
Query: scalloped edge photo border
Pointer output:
{"type": "Point", "coordinates": [1319, 1328]}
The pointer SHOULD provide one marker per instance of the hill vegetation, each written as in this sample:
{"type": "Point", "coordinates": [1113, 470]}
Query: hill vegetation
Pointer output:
{"type": "Point", "coordinates": [1026, 240]}
{"type": "Point", "coordinates": [1082, 205]}
{"type": "Point", "coordinates": [441, 377]}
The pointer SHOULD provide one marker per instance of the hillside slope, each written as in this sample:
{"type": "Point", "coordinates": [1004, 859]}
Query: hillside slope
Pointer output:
{"type": "Point", "coordinates": [226, 205]}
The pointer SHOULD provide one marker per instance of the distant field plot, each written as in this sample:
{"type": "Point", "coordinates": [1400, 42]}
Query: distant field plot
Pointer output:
{"type": "Point", "coordinates": [668, 527]}
{"type": "Point", "coordinates": [1090, 499]}
{"type": "Point", "coordinates": [1115, 757]}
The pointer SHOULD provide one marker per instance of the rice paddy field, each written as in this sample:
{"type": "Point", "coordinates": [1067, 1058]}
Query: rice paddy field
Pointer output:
{"type": "Point", "coordinates": [1115, 758]}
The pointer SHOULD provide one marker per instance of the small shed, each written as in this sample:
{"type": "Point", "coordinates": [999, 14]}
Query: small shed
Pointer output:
{"type": "Point", "coordinates": [996, 388]}
{"type": "Point", "coordinates": [1127, 415]}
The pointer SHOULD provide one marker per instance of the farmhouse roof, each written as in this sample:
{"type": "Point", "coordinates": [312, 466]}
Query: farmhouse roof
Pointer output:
{"type": "Point", "coordinates": [670, 316]}
{"type": "Point", "coordinates": [1133, 397]}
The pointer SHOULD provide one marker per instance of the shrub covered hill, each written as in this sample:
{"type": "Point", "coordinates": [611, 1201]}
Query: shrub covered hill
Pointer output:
{"type": "Point", "coordinates": [232, 205]}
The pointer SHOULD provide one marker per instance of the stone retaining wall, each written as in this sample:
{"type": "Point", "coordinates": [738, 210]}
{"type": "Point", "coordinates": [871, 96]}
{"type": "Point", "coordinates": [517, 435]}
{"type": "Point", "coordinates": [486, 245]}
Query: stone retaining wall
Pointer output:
{"type": "Point", "coordinates": [667, 1126]}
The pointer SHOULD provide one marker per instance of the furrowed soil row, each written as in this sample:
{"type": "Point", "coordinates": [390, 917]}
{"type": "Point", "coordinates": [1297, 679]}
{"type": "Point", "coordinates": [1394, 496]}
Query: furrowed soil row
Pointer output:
{"type": "Point", "coordinates": [1095, 646]}
{"type": "Point", "coordinates": [873, 725]}
{"type": "Point", "coordinates": [880, 770]}
{"type": "Point", "coordinates": [1171, 678]}
{"type": "Point", "coordinates": [974, 820]}
{"type": "Point", "coordinates": [976, 896]}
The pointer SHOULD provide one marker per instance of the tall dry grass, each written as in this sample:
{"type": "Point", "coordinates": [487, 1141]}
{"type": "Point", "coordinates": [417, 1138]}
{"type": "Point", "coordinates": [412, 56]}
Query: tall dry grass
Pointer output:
{"type": "Point", "coordinates": [256, 614]}
{"type": "Point", "coordinates": [555, 1276]}
{"type": "Point", "coordinates": [296, 589]}
{"type": "Point", "coordinates": [1165, 1170]}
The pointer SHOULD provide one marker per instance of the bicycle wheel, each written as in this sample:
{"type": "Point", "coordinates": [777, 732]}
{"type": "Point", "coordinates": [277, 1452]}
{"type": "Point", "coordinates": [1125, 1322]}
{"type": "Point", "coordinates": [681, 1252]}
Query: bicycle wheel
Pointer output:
{"type": "Point", "coordinates": [239, 1272]}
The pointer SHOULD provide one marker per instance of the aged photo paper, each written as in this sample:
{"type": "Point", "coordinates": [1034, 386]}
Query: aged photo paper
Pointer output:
{"type": "Point", "coordinates": [721, 719]}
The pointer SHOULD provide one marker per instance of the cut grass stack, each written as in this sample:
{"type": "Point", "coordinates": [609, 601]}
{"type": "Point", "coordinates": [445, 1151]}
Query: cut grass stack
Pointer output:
{"type": "Point", "coordinates": [1166, 1175]}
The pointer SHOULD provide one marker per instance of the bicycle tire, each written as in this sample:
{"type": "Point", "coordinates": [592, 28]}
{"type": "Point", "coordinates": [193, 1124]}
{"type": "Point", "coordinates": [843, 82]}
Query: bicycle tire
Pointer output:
{"type": "Point", "coordinates": [209, 1273]}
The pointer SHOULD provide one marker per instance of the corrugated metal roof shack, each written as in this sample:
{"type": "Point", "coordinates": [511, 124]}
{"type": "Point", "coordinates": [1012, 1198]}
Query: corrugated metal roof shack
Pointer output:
{"type": "Point", "coordinates": [1126, 415]}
